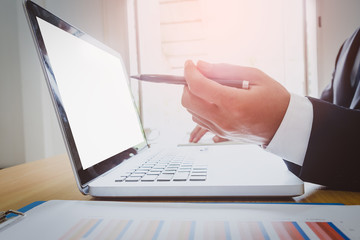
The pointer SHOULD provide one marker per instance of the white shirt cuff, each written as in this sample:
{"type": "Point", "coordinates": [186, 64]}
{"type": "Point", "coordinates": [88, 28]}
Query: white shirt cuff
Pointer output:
{"type": "Point", "coordinates": [292, 137]}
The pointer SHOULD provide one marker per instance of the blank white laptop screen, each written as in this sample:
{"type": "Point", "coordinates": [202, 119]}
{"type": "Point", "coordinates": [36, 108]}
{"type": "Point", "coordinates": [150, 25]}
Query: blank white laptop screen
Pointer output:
{"type": "Point", "coordinates": [92, 81]}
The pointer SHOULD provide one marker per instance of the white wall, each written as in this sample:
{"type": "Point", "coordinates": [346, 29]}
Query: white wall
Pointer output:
{"type": "Point", "coordinates": [339, 20]}
{"type": "Point", "coordinates": [28, 125]}
{"type": "Point", "coordinates": [11, 111]}
{"type": "Point", "coordinates": [263, 34]}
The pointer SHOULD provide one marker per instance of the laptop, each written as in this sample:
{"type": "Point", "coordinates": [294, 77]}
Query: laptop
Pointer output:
{"type": "Point", "coordinates": [105, 141]}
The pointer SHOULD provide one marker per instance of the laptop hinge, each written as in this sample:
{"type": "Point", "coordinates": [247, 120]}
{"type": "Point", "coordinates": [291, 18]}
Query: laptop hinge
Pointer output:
{"type": "Point", "coordinates": [85, 190]}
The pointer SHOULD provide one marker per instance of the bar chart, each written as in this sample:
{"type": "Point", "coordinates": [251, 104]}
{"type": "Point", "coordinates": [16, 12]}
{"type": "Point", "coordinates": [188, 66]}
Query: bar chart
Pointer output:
{"type": "Point", "coordinates": [117, 229]}
{"type": "Point", "coordinates": [112, 220]}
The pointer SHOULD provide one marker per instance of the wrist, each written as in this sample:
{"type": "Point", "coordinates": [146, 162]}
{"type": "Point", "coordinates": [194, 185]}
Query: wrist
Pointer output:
{"type": "Point", "coordinates": [279, 111]}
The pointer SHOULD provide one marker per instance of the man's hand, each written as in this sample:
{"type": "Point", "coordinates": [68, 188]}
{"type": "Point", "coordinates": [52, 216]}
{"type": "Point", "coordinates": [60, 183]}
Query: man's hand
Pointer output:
{"type": "Point", "coordinates": [251, 115]}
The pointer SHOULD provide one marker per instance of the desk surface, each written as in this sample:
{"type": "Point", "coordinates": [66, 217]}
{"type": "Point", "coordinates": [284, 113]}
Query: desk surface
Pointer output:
{"type": "Point", "coordinates": [52, 178]}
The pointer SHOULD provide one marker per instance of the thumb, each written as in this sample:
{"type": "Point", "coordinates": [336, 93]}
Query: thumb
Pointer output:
{"type": "Point", "coordinates": [201, 86]}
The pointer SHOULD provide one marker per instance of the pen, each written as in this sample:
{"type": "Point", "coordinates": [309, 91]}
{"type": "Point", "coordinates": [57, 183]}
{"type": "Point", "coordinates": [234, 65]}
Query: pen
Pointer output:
{"type": "Point", "coordinates": [171, 79]}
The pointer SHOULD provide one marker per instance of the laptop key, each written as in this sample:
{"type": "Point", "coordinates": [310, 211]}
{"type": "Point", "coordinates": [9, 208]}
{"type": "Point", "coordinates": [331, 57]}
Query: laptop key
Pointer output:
{"type": "Point", "coordinates": [200, 168]}
{"type": "Point", "coordinates": [120, 179]}
{"type": "Point", "coordinates": [171, 168]}
{"type": "Point", "coordinates": [186, 165]}
{"type": "Point", "coordinates": [142, 170]}
{"type": "Point", "coordinates": [173, 165]}
{"type": "Point", "coordinates": [184, 169]}
{"type": "Point", "coordinates": [137, 174]}
{"type": "Point", "coordinates": [165, 177]}
{"type": "Point", "coordinates": [149, 178]}
{"type": "Point", "coordinates": [132, 179]}
{"type": "Point", "coordinates": [197, 178]}
{"type": "Point", "coordinates": [147, 165]}
{"type": "Point", "coordinates": [159, 167]}
{"type": "Point", "coordinates": [199, 172]}
{"type": "Point", "coordinates": [181, 176]}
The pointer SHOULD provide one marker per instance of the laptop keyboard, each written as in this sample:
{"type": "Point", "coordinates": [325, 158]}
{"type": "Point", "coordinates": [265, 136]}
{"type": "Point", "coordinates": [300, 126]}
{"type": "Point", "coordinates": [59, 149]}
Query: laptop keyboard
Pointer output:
{"type": "Point", "coordinates": [165, 168]}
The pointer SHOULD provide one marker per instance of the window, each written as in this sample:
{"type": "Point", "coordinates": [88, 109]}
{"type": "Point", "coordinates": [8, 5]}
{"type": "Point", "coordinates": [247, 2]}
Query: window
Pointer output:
{"type": "Point", "coordinates": [268, 35]}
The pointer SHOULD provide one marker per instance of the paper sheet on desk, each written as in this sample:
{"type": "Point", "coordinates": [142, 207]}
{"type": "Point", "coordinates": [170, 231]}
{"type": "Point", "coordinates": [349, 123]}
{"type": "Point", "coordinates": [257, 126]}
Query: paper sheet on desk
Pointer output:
{"type": "Point", "coordinates": [119, 220]}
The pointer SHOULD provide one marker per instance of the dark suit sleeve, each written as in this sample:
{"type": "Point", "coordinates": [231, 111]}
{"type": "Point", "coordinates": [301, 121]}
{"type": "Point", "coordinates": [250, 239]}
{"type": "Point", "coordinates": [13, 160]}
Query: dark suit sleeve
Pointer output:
{"type": "Point", "coordinates": [333, 155]}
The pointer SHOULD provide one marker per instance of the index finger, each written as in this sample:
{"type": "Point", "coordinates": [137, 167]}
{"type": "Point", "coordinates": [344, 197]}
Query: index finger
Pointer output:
{"type": "Point", "coordinates": [228, 71]}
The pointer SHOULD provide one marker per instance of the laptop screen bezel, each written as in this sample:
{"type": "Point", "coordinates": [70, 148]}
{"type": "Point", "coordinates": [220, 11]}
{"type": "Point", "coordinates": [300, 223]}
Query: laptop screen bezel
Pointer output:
{"type": "Point", "coordinates": [83, 176]}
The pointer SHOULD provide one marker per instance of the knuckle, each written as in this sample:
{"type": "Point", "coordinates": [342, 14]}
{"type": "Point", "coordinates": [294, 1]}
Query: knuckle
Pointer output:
{"type": "Point", "coordinates": [195, 87]}
{"type": "Point", "coordinates": [196, 120]}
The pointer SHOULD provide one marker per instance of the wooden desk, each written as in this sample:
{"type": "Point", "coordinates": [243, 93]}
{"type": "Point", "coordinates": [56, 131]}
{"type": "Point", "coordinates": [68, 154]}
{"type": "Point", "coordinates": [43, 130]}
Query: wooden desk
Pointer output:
{"type": "Point", "coordinates": [52, 178]}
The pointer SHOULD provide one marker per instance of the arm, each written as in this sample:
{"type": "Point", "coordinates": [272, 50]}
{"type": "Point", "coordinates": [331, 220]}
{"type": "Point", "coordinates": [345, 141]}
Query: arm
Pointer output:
{"type": "Point", "coordinates": [321, 147]}
{"type": "Point", "coordinates": [333, 154]}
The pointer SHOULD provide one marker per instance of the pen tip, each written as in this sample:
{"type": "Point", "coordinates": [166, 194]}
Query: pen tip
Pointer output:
{"type": "Point", "coordinates": [135, 76]}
